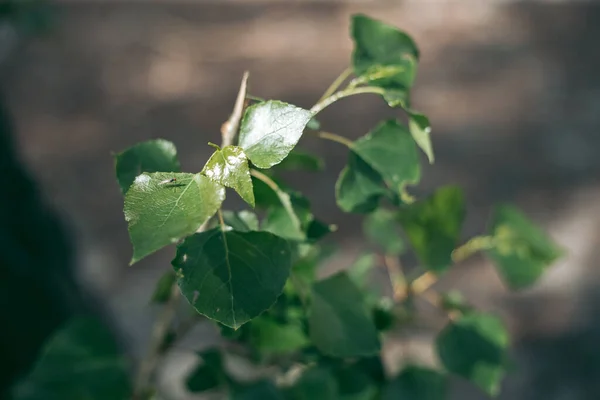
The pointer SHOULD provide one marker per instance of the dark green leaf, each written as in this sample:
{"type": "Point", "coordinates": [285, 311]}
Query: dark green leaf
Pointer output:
{"type": "Point", "coordinates": [162, 291]}
{"type": "Point", "coordinates": [433, 227]}
{"type": "Point", "coordinates": [270, 130]}
{"type": "Point", "coordinates": [317, 230]}
{"type": "Point", "coordinates": [420, 129]}
{"type": "Point", "coordinates": [359, 187]}
{"type": "Point", "coordinates": [391, 151]}
{"type": "Point", "coordinates": [378, 45]}
{"type": "Point", "coordinates": [315, 383]}
{"type": "Point", "coordinates": [290, 218]}
{"type": "Point", "coordinates": [208, 375]}
{"type": "Point", "coordinates": [160, 212]}
{"type": "Point", "coordinates": [152, 156]}
{"type": "Point", "coordinates": [262, 390]}
{"type": "Point", "coordinates": [80, 361]}
{"type": "Point", "coordinates": [417, 383]}
{"type": "Point", "coordinates": [475, 347]}
{"type": "Point", "coordinates": [522, 252]}
{"type": "Point", "coordinates": [241, 221]}
{"type": "Point", "coordinates": [229, 167]}
{"type": "Point", "coordinates": [232, 277]}
{"type": "Point", "coordinates": [383, 314]}
{"type": "Point", "coordinates": [354, 384]}
{"type": "Point", "coordinates": [264, 196]}
{"type": "Point", "coordinates": [339, 325]}
{"type": "Point", "coordinates": [298, 160]}
{"type": "Point", "coordinates": [271, 337]}
{"type": "Point", "coordinates": [381, 229]}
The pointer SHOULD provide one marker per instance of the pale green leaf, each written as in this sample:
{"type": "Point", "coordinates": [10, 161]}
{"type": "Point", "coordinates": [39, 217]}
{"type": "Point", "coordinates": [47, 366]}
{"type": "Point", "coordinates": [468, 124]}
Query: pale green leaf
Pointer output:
{"type": "Point", "coordinates": [229, 167]}
{"type": "Point", "coordinates": [161, 211]}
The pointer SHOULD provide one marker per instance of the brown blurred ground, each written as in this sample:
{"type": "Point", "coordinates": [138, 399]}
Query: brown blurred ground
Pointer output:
{"type": "Point", "coordinates": [513, 93]}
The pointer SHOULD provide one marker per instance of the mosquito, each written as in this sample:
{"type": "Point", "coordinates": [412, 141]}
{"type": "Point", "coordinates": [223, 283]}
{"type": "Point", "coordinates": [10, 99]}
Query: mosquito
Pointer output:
{"type": "Point", "coordinates": [167, 181]}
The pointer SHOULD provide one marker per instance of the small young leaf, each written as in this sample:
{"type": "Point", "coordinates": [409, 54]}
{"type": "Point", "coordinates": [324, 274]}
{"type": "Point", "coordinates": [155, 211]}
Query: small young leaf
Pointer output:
{"type": "Point", "coordinates": [339, 325]}
{"type": "Point", "coordinates": [241, 221]}
{"type": "Point", "coordinates": [151, 156]}
{"type": "Point", "coordinates": [81, 360]}
{"type": "Point", "coordinates": [359, 187]}
{"type": "Point", "coordinates": [522, 252]}
{"type": "Point", "coordinates": [315, 383]}
{"type": "Point", "coordinates": [270, 130]}
{"type": "Point", "coordinates": [475, 347]}
{"type": "Point", "coordinates": [420, 129]}
{"type": "Point", "coordinates": [262, 390]}
{"type": "Point", "coordinates": [271, 337]}
{"type": "Point", "coordinates": [417, 383]}
{"type": "Point", "coordinates": [162, 291]}
{"type": "Point", "coordinates": [381, 229]}
{"type": "Point", "coordinates": [208, 375]}
{"type": "Point", "coordinates": [391, 151]}
{"type": "Point", "coordinates": [232, 277]}
{"type": "Point", "coordinates": [378, 45]}
{"type": "Point", "coordinates": [298, 160]}
{"type": "Point", "coordinates": [433, 227]}
{"type": "Point", "coordinates": [160, 212]}
{"type": "Point", "coordinates": [229, 167]}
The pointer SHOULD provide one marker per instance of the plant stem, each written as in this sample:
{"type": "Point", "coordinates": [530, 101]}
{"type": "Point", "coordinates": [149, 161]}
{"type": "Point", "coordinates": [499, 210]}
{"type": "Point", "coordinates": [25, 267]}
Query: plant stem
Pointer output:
{"type": "Point", "coordinates": [396, 275]}
{"type": "Point", "coordinates": [159, 330]}
{"type": "Point", "coordinates": [333, 137]}
{"type": "Point", "coordinates": [230, 127]}
{"type": "Point", "coordinates": [423, 282]}
{"type": "Point", "coordinates": [344, 93]}
{"type": "Point", "coordinates": [221, 221]}
{"type": "Point", "coordinates": [474, 245]}
{"type": "Point", "coordinates": [336, 83]}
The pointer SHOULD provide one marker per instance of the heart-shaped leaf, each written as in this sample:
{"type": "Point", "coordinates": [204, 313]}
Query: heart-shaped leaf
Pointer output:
{"type": "Point", "coordinates": [339, 324]}
{"type": "Point", "coordinates": [475, 347]}
{"type": "Point", "coordinates": [80, 361]}
{"type": "Point", "coordinates": [391, 151]}
{"type": "Point", "coordinates": [359, 187]}
{"type": "Point", "coordinates": [270, 130]}
{"type": "Point", "coordinates": [162, 208]}
{"type": "Point", "coordinates": [522, 252]}
{"type": "Point", "coordinates": [229, 167]}
{"type": "Point", "coordinates": [232, 277]}
{"type": "Point", "coordinates": [151, 156]}
{"type": "Point", "coordinates": [417, 383]}
{"type": "Point", "coordinates": [433, 227]}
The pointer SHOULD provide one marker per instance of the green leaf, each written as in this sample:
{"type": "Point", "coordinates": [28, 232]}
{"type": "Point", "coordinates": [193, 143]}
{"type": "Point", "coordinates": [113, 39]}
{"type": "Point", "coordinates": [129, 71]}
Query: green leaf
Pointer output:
{"type": "Point", "coordinates": [381, 229]}
{"type": "Point", "coordinates": [208, 375]}
{"type": "Point", "coordinates": [354, 384]}
{"type": "Point", "coordinates": [420, 129]}
{"type": "Point", "coordinates": [290, 218]}
{"type": "Point", "coordinates": [232, 277]}
{"type": "Point", "coordinates": [455, 301]}
{"type": "Point", "coordinates": [313, 124]}
{"type": "Point", "coordinates": [318, 229]}
{"type": "Point", "coordinates": [417, 383]}
{"type": "Point", "coordinates": [315, 383]}
{"type": "Point", "coordinates": [378, 45]}
{"type": "Point", "coordinates": [241, 221]}
{"type": "Point", "coordinates": [433, 227]}
{"type": "Point", "coordinates": [80, 361]}
{"type": "Point", "coordinates": [299, 160]}
{"type": "Point", "coordinates": [160, 212]}
{"type": "Point", "coordinates": [522, 252]}
{"type": "Point", "coordinates": [162, 291]}
{"type": "Point", "coordinates": [475, 347]}
{"type": "Point", "coordinates": [261, 390]}
{"type": "Point", "coordinates": [270, 130]}
{"type": "Point", "coordinates": [391, 151]}
{"type": "Point", "coordinates": [361, 268]}
{"type": "Point", "coordinates": [359, 187]}
{"type": "Point", "coordinates": [339, 325]}
{"type": "Point", "coordinates": [271, 337]}
{"type": "Point", "coordinates": [151, 156]}
{"type": "Point", "coordinates": [229, 167]}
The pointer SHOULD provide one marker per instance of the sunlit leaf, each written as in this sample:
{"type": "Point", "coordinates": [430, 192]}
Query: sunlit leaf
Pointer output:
{"type": "Point", "coordinates": [162, 208]}
{"type": "Point", "coordinates": [270, 130]}
{"type": "Point", "coordinates": [231, 276]}
{"type": "Point", "coordinates": [155, 155]}
{"type": "Point", "coordinates": [229, 167]}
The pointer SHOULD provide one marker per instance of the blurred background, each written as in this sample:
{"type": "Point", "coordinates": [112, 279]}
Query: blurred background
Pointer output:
{"type": "Point", "coordinates": [512, 90]}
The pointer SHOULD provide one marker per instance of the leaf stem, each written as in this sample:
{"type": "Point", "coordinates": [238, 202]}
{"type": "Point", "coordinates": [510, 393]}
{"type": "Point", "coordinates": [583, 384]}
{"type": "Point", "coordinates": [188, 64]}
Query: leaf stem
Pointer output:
{"type": "Point", "coordinates": [474, 245]}
{"type": "Point", "coordinates": [396, 276]}
{"type": "Point", "coordinates": [221, 220]}
{"type": "Point", "coordinates": [322, 104]}
{"type": "Point", "coordinates": [423, 282]}
{"type": "Point", "coordinates": [334, 138]}
{"type": "Point", "coordinates": [336, 83]}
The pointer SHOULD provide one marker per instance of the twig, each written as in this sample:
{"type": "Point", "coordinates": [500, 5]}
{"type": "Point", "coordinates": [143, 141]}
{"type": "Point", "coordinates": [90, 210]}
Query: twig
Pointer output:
{"type": "Point", "coordinates": [336, 84]}
{"type": "Point", "coordinates": [333, 137]}
{"type": "Point", "coordinates": [423, 282]}
{"type": "Point", "coordinates": [396, 275]}
{"type": "Point", "coordinates": [230, 127]}
{"type": "Point", "coordinates": [345, 93]}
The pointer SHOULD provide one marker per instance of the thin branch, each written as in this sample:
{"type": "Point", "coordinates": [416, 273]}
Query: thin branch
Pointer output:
{"type": "Point", "coordinates": [336, 84]}
{"type": "Point", "coordinates": [396, 276]}
{"type": "Point", "coordinates": [230, 128]}
{"type": "Point", "coordinates": [423, 282]}
{"type": "Point", "coordinates": [345, 93]}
